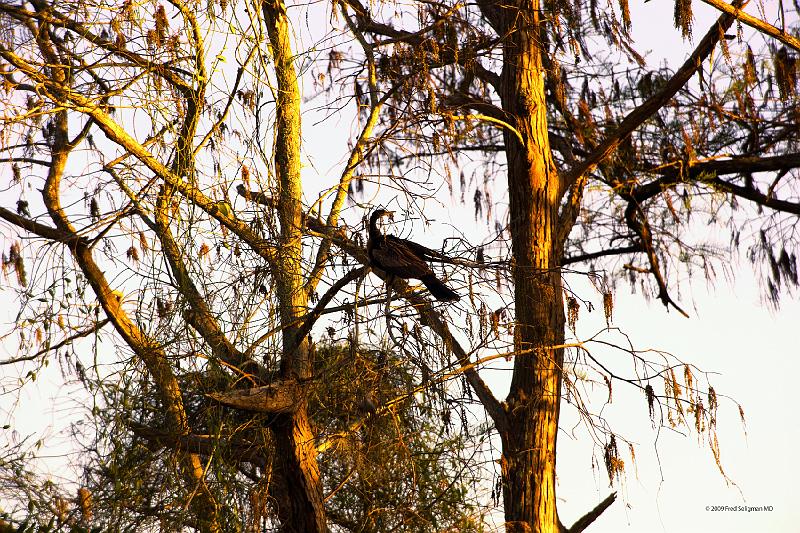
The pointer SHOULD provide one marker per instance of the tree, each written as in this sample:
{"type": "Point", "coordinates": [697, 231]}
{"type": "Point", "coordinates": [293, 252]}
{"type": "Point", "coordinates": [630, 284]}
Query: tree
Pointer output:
{"type": "Point", "coordinates": [595, 172]}
{"type": "Point", "coordinates": [140, 219]}
{"type": "Point", "coordinates": [219, 288]}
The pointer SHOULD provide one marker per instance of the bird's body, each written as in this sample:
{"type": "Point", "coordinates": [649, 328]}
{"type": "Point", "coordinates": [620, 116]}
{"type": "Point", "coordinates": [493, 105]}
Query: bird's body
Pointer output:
{"type": "Point", "coordinates": [404, 259]}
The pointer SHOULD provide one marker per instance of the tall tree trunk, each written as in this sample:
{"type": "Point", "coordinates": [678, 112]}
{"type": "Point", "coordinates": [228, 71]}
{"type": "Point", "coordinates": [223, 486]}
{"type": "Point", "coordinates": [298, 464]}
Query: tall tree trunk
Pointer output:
{"type": "Point", "coordinates": [297, 487]}
{"type": "Point", "coordinates": [529, 443]}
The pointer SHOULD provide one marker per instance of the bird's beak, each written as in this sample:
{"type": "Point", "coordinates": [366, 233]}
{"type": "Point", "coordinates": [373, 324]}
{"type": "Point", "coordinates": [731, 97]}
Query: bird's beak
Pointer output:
{"type": "Point", "coordinates": [390, 215]}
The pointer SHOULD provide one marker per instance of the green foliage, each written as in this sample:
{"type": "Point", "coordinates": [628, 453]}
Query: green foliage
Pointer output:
{"type": "Point", "coordinates": [389, 468]}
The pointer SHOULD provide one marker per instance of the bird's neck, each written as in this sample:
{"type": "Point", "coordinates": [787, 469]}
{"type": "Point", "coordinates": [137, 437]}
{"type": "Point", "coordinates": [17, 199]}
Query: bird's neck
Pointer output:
{"type": "Point", "coordinates": [374, 231]}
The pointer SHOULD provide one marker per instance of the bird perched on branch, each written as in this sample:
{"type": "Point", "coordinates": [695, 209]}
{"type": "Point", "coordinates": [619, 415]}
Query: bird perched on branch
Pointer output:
{"type": "Point", "coordinates": [404, 258]}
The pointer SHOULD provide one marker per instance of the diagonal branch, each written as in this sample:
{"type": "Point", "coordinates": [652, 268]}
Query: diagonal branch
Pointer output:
{"type": "Point", "coordinates": [315, 313]}
{"type": "Point", "coordinates": [83, 333]}
{"type": "Point", "coordinates": [47, 14]}
{"type": "Point", "coordinates": [198, 315]}
{"type": "Point", "coordinates": [115, 132]}
{"type": "Point", "coordinates": [755, 196]}
{"type": "Point", "coordinates": [577, 175]}
{"type": "Point", "coordinates": [37, 228]}
{"type": "Point", "coordinates": [756, 23]}
{"type": "Point", "coordinates": [585, 521]}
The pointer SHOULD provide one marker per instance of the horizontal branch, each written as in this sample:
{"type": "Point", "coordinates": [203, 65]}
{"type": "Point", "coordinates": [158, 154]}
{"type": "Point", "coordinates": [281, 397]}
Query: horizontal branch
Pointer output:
{"type": "Point", "coordinates": [25, 160]}
{"type": "Point", "coordinates": [202, 444]}
{"type": "Point", "coordinates": [41, 230]}
{"type": "Point", "coordinates": [278, 397]}
{"type": "Point", "coordinates": [680, 171]}
{"type": "Point", "coordinates": [594, 255]}
{"type": "Point", "coordinates": [707, 172]}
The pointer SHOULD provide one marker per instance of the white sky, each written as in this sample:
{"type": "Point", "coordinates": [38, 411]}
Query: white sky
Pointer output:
{"type": "Point", "coordinates": [731, 332]}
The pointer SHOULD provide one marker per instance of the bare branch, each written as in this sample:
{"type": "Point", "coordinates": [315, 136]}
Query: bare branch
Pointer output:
{"type": "Point", "coordinates": [756, 23]}
{"type": "Point", "coordinates": [315, 313]}
{"type": "Point", "coordinates": [584, 521]}
{"type": "Point", "coordinates": [83, 333]}
{"type": "Point", "coordinates": [602, 253]}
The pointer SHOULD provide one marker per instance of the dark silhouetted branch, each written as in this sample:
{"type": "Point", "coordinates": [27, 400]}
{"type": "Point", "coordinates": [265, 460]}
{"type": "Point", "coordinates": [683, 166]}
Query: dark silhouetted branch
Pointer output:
{"type": "Point", "coordinates": [584, 521]}
{"type": "Point", "coordinates": [602, 253]}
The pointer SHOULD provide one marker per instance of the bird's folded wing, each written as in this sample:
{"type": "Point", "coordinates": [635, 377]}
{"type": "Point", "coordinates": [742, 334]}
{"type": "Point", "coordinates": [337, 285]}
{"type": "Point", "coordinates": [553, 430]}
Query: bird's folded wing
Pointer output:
{"type": "Point", "coordinates": [399, 259]}
{"type": "Point", "coordinates": [423, 252]}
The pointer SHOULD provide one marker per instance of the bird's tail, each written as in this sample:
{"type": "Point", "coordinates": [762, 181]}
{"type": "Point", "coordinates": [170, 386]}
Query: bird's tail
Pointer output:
{"type": "Point", "coordinates": [439, 290]}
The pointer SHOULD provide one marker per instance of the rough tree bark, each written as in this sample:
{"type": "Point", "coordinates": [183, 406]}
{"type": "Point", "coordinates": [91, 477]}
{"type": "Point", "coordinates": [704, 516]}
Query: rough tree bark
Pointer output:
{"type": "Point", "coordinates": [529, 445]}
{"type": "Point", "coordinates": [297, 487]}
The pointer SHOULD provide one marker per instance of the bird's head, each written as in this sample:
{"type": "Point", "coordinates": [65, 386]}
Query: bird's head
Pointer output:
{"type": "Point", "coordinates": [379, 214]}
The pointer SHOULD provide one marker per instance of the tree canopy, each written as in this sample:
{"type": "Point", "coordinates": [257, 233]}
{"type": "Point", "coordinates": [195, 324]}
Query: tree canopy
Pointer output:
{"type": "Point", "coordinates": [169, 243]}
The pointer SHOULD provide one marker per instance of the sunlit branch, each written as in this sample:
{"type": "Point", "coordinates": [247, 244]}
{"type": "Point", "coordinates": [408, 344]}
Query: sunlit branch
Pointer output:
{"type": "Point", "coordinates": [357, 154]}
{"type": "Point", "coordinates": [283, 396]}
{"type": "Point", "coordinates": [492, 120]}
{"type": "Point", "coordinates": [756, 23]}
{"type": "Point", "coordinates": [49, 15]}
{"type": "Point", "coordinates": [231, 98]}
{"type": "Point", "coordinates": [37, 228]}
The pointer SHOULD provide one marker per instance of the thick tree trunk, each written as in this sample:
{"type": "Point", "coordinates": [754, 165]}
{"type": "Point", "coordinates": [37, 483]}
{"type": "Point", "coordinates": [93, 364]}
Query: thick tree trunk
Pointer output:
{"type": "Point", "coordinates": [529, 444]}
{"type": "Point", "coordinates": [297, 485]}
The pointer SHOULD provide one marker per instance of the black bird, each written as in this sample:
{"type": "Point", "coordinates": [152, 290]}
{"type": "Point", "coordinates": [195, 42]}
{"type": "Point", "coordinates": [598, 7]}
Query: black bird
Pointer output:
{"type": "Point", "coordinates": [404, 258]}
